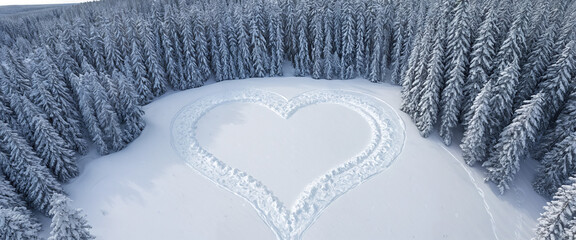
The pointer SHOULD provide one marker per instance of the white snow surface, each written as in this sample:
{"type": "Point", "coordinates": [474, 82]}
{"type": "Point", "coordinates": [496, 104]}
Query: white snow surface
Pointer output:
{"type": "Point", "coordinates": [293, 158]}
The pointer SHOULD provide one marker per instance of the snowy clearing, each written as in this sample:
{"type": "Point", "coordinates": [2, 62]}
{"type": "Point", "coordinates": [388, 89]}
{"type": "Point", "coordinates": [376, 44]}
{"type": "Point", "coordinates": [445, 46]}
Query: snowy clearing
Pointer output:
{"type": "Point", "coordinates": [147, 191]}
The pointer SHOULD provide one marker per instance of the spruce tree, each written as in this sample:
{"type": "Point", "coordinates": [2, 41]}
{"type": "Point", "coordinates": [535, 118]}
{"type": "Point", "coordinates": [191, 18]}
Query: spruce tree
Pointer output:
{"type": "Point", "coordinates": [14, 224]}
{"type": "Point", "coordinates": [243, 61]}
{"type": "Point", "coordinates": [457, 68]}
{"type": "Point", "coordinates": [23, 169]}
{"type": "Point", "coordinates": [192, 76]}
{"type": "Point", "coordinates": [564, 124]}
{"type": "Point", "coordinates": [317, 32]}
{"type": "Point", "coordinates": [429, 104]}
{"type": "Point", "coordinates": [258, 42]}
{"type": "Point", "coordinates": [67, 223]}
{"type": "Point", "coordinates": [559, 221]}
{"type": "Point", "coordinates": [483, 53]}
{"type": "Point", "coordinates": [348, 39]}
{"type": "Point", "coordinates": [557, 166]}
{"type": "Point", "coordinates": [275, 42]}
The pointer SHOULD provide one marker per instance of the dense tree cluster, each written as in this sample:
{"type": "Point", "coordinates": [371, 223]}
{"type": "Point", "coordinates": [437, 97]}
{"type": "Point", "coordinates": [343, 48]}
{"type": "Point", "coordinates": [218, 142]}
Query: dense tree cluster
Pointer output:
{"type": "Point", "coordinates": [503, 71]}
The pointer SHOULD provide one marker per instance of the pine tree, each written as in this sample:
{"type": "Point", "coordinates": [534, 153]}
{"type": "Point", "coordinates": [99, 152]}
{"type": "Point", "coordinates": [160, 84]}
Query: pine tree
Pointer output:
{"type": "Point", "coordinates": [360, 46]}
{"type": "Point", "coordinates": [539, 58]}
{"type": "Point", "coordinates": [201, 44]}
{"type": "Point", "coordinates": [192, 76]}
{"type": "Point", "coordinates": [172, 50]}
{"type": "Point", "coordinates": [329, 69]}
{"type": "Point", "coordinates": [142, 83]}
{"type": "Point", "coordinates": [483, 53]}
{"type": "Point", "coordinates": [68, 224]}
{"type": "Point", "coordinates": [243, 61]}
{"type": "Point", "coordinates": [562, 127]}
{"type": "Point", "coordinates": [14, 224]}
{"type": "Point", "coordinates": [348, 39]}
{"type": "Point", "coordinates": [398, 36]}
{"type": "Point", "coordinates": [558, 222]}
{"type": "Point", "coordinates": [557, 166]}
{"type": "Point", "coordinates": [86, 102]}
{"type": "Point", "coordinates": [22, 168]}
{"type": "Point", "coordinates": [475, 142]}
{"type": "Point", "coordinates": [302, 64]}
{"type": "Point", "coordinates": [377, 57]}
{"type": "Point", "coordinates": [457, 68]}
{"type": "Point", "coordinates": [275, 43]}
{"type": "Point", "coordinates": [317, 32]}
{"type": "Point", "coordinates": [429, 105]}
{"type": "Point", "coordinates": [129, 113]}
{"type": "Point", "coordinates": [106, 115]}
{"type": "Point", "coordinates": [154, 71]}
{"type": "Point", "coordinates": [258, 42]}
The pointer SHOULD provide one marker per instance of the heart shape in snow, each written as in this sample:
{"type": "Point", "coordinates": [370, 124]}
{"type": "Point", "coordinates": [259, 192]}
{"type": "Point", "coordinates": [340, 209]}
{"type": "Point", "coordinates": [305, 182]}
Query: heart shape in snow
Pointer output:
{"type": "Point", "coordinates": [386, 143]}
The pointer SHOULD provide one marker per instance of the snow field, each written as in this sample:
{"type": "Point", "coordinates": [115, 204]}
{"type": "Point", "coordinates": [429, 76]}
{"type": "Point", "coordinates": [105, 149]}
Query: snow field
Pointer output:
{"type": "Point", "coordinates": [148, 192]}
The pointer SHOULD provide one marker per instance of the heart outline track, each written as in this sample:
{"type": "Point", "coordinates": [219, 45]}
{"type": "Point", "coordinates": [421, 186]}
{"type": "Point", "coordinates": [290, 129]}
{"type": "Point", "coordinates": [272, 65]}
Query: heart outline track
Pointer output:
{"type": "Point", "coordinates": [386, 143]}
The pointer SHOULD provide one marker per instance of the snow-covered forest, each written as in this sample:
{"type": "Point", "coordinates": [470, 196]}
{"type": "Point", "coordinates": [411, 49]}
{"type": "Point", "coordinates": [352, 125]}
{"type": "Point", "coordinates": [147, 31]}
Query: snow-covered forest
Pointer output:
{"type": "Point", "coordinates": [75, 78]}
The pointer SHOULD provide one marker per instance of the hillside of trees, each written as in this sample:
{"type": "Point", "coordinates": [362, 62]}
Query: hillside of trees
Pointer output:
{"type": "Point", "coordinates": [500, 70]}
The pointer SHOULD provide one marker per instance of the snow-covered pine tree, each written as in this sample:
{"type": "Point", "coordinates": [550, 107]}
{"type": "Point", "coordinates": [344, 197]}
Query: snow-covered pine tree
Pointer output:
{"type": "Point", "coordinates": [303, 64]}
{"type": "Point", "coordinates": [360, 48]}
{"type": "Point", "coordinates": [141, 81]}
{"type": "Point", "coordinates": [415, 89]}
{"type": "Point", "coordinates": [458, 47]}
{"type": "Point", "coordinates": [16, 222]}
{"type": "Point", "coordinates": [415, 19]}
{"type": "Point", "coordinates": [106, 115]}
{"type": "Point", "coordinates": [408, 79]}
{"type": "Point", "coordinates": [275, 40]}
{"type": "Point", "coordinates": [559, 221]}
{"type": "Point", "coordinates": [225, 58]}
{"type": "Point", "coordinates": [243, 61]}
{"type": "Point", "coordinates": [23, 169]}
{"type": "Point", "coordinates": [317, 34]}
{"type": "Point", "coordinates": [172, 49]}
{"type": "Point", "coordinates": [191, 73]}
{"type": "Point", "coordinates": [538, 60]}
{"type": "Point", "coordinates": [377, 57]}
{"type": "Point", "coordinates": [330, 71]}
{"type": "Point", "coordinates": [154, 71]}
{"type": "Point", "coordinates": [129, 113]}
{"type": "Point", "coordinates": [558, 165]}
{"type": "Point", "coordinates": [201, 44]}
{"type": "Point", "coordinates": [483, 53]}
{"type": "Point", "coordinates": [531, 120]}
{"type": "Point", "coordinates": [428, 107]}
{"type": "Point", "coordinates": [86, 103]}
{"type": "Point", "coordinates": [16, 70]}
{"type": "Point", "coordinates": [96, 46]}
{"type": "Point", "coordinates": [398, 36]}
{"type": "Point", "coordinates": [348, 63]}
{"type": "Point", "coordinates": [258, 43]}
{"type": "Point", "coordinates": [565, 124]}
{"type": "Point", "coordinates": [67, 223]}
{"type": "Point", "coordinates": [112, 57]}
{"type": "Point", "coordinates": [475, 140]}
